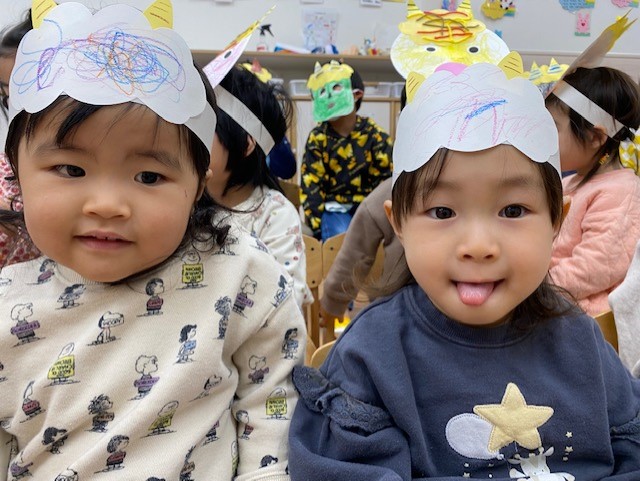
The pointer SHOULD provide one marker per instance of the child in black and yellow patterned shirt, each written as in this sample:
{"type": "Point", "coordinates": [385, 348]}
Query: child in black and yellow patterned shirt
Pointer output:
{"type": "Point", "coordinates": [346, 156]}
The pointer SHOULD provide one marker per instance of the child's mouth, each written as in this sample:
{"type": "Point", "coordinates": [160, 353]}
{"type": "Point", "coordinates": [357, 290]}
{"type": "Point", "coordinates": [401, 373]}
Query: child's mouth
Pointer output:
{"type": "Point", "coordinates": [475, 293]}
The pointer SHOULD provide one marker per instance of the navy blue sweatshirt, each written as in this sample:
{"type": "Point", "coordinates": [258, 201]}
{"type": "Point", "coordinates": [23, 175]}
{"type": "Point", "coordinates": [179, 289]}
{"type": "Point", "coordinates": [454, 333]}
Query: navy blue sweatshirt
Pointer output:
{"type": "Point", "coordinates": [409, 394]}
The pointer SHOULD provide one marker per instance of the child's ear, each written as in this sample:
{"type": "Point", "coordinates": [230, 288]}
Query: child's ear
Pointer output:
{"type": "Point", "coordinates": [598, 137]}
{"type": "Point", "coordinates": [251, 146]}
{"type": "Point", "coordinates": [203, 184]}
{"type": "Point", "coordinates": [357, 94]}
{"type": "Point", "coordinates": [389, 212]}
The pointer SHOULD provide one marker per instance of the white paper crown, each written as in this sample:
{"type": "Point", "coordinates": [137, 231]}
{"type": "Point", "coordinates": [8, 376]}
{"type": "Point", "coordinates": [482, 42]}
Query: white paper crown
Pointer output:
{"type": "Point", "coordinates": [474, 109]}
{"type": "Point", "coordinates": [107, 58]}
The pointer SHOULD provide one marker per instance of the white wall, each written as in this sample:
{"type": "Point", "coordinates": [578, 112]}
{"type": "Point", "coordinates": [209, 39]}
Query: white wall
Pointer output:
{"type": "Point", "coordinates": [539, 25]}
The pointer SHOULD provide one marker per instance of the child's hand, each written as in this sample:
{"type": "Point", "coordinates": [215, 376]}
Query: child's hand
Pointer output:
{"type": "Point", "coordinates": [327, 318]}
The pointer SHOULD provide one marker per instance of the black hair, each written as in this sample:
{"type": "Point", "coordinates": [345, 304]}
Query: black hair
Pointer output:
{"type": "Point", "coordinates": [273, 106]}
{"type": "Point", "coordinates": [202, 229]}
{"type": "Point", "coordinates": [357, 83]}
{"type": "Point", "coordinates": [10, 38]}
{"type": "Point", "coordinates": [413, 188]}
{"type": "Point", "coordinates": [613, 91]}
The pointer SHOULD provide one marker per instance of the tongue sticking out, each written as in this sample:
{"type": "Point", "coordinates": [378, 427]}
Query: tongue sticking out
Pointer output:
{"type": "Point", "coordinates": [474, 294]}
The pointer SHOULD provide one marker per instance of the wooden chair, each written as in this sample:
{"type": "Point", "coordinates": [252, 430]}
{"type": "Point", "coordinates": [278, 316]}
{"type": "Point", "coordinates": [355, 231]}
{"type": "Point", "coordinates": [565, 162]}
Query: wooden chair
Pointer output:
{"type": "Point", "coordinates": [608, 326]}
{"type": "Point", "coordinates": [313, 252]}
{"type": "Point", "coordinates": [311, 349]}
{"type": "Point", "coordinates": [321, 354]}
{"type": "Point", "coordinates": [330, 249]}
{"type": "Point", "coordinates": [291, 191]}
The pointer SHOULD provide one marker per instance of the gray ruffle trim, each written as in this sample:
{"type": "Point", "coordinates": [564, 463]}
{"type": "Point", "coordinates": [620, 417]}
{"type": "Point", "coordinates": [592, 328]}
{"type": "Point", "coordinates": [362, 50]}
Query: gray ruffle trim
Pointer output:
{"type": "Point", "coordinates": [319, 395]}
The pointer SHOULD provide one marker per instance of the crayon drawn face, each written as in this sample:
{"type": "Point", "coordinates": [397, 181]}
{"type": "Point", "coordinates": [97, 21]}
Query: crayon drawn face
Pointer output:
{"type": "Point", "coordinates": [430, 38]}
{"type": "Point", "coordinates": [409, 56]}
{"type": "Point", "coordinates": [332, 100]}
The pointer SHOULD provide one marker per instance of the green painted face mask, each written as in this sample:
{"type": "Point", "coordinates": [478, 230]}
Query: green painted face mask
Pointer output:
{"type": "Point", "coordinates": [333, 100]}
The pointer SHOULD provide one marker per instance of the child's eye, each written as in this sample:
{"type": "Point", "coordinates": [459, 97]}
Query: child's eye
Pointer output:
{"type": "Point", "coordinates": [513, 211]}
{"type": "Point", "coordinates": [70, 170]}
{"type": "Point", "coordinates": [148, 178]}
{"type": "Point", "coordinates": [441, 213]}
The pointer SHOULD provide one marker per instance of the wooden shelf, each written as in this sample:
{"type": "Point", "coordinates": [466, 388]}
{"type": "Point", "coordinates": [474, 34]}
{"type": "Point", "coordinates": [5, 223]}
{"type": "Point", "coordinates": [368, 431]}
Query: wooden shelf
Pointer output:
{"type": "Point", "coordinates": [292, 65]}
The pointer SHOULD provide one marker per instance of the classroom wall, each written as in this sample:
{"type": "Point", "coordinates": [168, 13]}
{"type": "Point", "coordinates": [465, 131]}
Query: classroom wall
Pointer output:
{"type": "Point", "coordinates": [539, 25]}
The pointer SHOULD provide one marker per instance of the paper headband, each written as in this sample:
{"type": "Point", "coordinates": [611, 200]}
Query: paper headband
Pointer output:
{"type": "Point", "coordinates": [587, 108]}
{"type": "Point", "coordinates": [218, 68]}
{"type": "Point", "coordinates": [245, 118]}
{"type": "Point", "coordinates": [107, 58]}
{"type": "Point", "coordinates": [470, 110]}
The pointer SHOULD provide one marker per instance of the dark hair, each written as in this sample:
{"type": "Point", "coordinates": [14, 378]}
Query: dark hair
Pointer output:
{"type": "Point", "coordinates": [201, 228]}
{"type": "Point", "coordinates": [184, 332]}
{"type": "Point", "coordinates": [10, 38]}
{"type": "Point", "coordinates": [412, 188]}
{"type": "Point", "coordinates": [616, 93]}
{"type": "Point", "coordinates": [271, 104]}
{"type": "Point", "coordinates": [357, 83]}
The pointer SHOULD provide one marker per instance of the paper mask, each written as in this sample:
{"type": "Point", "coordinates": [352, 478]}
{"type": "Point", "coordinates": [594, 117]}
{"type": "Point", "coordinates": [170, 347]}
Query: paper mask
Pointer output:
{"type": "Point", "coordinates": [430, 38]}
{"type": "Point", "coordinates": [476, 109]}
{"type": "Point", "coordinates": [107, 58]}
{"type": "Point", "coordinates": [258, 70]}
{"type": "Point", "coordinates": [331, 90]}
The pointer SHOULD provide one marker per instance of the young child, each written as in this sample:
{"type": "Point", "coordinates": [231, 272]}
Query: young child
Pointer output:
{"type": "Point", "coordinates": [13, 248]}
{"type": "Point", "coordinates": [346, 156]}
{"type": "Point", "coordinates": [241, 178]}
{"type": "Point", "coordinates": [597, 111]}
{"type": "Point", "coordinates": [478, 369]}
{"type": "Point", "coordinates": [111, 153]}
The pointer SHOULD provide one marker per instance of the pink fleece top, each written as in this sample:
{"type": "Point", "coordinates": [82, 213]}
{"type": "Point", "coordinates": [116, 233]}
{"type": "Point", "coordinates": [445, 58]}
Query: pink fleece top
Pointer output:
{"type": "Point", "coordinates": [597, 240]}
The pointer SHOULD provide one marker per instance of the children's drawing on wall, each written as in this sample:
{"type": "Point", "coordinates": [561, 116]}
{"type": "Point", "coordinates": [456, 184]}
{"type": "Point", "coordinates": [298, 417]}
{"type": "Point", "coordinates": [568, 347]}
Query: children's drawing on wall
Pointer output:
{"type": "Point", "coordinates": [575, 5]}
{"type": "Point", "coordinates": [319, 29]}
{"type": "Point", "coordinates": [496, 9]}
{"type": "Point", "coordinates": [625, 3]}
{"type": "Point", "coordinates": [583, 23]}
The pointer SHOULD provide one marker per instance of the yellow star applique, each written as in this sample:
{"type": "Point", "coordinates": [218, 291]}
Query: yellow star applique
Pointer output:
{"type": "Point", "coordinates": [514, 420]}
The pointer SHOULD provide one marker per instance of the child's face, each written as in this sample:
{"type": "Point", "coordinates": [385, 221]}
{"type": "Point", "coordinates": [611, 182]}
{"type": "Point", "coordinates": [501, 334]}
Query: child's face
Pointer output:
{"type": "Point", "coordinates": [482, 242]}
{"type": "Point", "coordinates": [114, 199]}
{"type": "Point", "coordinates": [573, 154]}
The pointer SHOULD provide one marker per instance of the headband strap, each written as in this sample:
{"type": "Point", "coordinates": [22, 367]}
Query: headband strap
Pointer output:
{"type": "Point", "coordinates": [245, 118]}
{"type": "Point", "coordinates": [587, 108]}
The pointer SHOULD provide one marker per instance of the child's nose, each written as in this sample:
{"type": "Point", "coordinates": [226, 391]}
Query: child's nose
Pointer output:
{"type": "Point", "coordinates": [480, 243]}
{"type": "Point", "coordinates": [107, 203]}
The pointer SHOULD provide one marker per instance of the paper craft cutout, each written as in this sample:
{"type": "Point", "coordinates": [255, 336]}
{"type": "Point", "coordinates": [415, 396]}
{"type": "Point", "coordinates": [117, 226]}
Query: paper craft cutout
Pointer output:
{"type": "Point", "coordinates": [39, 10]}
{"type": "Point", "coordinates": [496, 9]}
{"type": "Point", "coordinates": [546, 76]}
{"type": "Point", "coordinates": [475, 110]}
{"type": "Point", "coordinates": [331, 91]}
{"type": "Point", "coordinates": [110, 57]}
{"type": "Point", "coordinates": [595, 52]}
{"type": "Point", "coordinates": [583, 23]}
{"type": "Point", "coordinates": [258, 70]}
{"type": "Point", "coordinates": [625, 3]}
{"type": "Point", "coordinates": [220, 66]}
{"type": "Point", "coordinates": [160, 14]}
{"type": "Point", "coordinates": [430, 38]}
{"type": "Point", "coordinates": [575, 5]}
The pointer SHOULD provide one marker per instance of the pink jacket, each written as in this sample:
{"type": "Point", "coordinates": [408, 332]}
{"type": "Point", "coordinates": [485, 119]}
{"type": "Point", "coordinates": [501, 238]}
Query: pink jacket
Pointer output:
{"type": "Point", "coordinates": [596, 243]}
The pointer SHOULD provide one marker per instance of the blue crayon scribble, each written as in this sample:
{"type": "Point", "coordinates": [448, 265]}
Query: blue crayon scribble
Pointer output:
{"type": "Point", "coordinates": [487, 106]}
